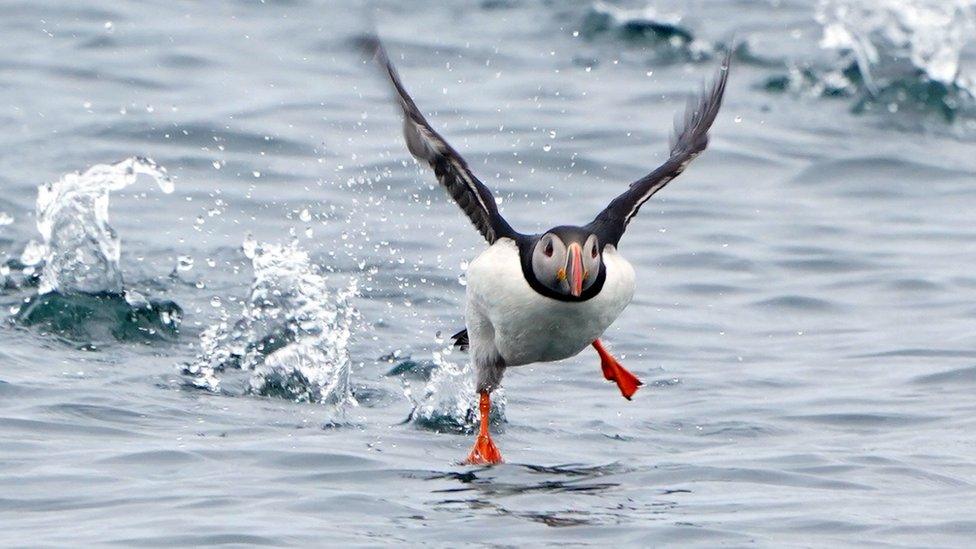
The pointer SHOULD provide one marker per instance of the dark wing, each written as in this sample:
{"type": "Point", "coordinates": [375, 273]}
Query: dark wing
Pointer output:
{"type": "Point", "coordinates": [461, 340]}
{"type": "Point", "coordinates": [689, 139]}
{"type": "Point", "coordinates": [451, 170]}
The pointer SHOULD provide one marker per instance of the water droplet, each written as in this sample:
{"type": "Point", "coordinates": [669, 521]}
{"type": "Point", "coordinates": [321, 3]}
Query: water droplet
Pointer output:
{"type": "Point", "coordinates": [5, 219]}
{"type": "Point", "coordinates": [305, 215]}
{"type": "Point", "coordinates": [547, 147]}
{"type": "Point", "coordinates": [184, 263]}
{"type": "Point", "coordinates": [738, 119]}
{"type": "Point", "coordinates": [250, 246]}
{"type": "Point", "coordinates": [215, 301]}
{"type": "Point", "coordinates": [256, 173]}
{"type": "Point", "coordinates": [109, 26]}
{"type": "Point", "coordinates": [33, 253]}
{"type": "Point", "coordinates": [216, 164]}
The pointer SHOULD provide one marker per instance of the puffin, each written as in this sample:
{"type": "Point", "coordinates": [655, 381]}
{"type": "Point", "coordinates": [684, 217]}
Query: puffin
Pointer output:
{"type": "Point", "coordinates": [545, 297]}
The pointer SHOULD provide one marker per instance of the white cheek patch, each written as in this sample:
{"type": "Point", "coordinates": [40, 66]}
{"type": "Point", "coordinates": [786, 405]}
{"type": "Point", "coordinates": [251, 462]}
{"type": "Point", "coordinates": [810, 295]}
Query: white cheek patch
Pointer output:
{"type": "Point", "coordinates": [547, 269]}
{"type": "Point", "coordinates": [591, 265]}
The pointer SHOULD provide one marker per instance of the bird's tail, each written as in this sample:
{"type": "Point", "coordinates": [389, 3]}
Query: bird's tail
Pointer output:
{"type": "Point", "coordinates": [461, 339]}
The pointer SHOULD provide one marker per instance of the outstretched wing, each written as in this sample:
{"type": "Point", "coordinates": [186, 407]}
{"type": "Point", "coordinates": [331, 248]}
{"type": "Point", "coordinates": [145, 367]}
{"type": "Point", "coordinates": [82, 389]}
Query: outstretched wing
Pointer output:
{"type": "Point", "coordinates": [689, 139]}
{"type": "Point", "coordinates": [451, 170]}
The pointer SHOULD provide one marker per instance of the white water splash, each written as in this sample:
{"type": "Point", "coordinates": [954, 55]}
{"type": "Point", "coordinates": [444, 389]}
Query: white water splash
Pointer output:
{"type": "Point", "coordinates": [5, 219]}
{"type": "Point", "coordinates": [645, 24]}
{"type": "Point", "coordinates": [80, 250]}
{"type": "Point", "coordinates": [449, 401]}
{"type": "Point", "coordinates": [293, 334]}
{"type": "Point", "coordinates": [890, 36]}
{"type": "Point", "coordinates": [622, 16]}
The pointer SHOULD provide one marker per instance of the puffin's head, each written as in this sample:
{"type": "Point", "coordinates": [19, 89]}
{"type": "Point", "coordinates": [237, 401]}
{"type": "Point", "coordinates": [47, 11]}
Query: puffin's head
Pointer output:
{"type": "Point", "coordinates": [567, 260]}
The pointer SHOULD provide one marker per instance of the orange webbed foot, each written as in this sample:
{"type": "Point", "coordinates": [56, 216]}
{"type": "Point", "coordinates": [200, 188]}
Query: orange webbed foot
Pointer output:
{"type": "Point", "coordinates": [484, 452]}
{"type": "Point", "coordinates": [613, 371]}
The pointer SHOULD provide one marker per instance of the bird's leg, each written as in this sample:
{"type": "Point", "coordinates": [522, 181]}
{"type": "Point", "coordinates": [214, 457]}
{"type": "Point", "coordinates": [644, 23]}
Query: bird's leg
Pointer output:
{"type": "Point", "coordinates": [484, 452]}
{"type": "Point", "coordinates": [612, 370]}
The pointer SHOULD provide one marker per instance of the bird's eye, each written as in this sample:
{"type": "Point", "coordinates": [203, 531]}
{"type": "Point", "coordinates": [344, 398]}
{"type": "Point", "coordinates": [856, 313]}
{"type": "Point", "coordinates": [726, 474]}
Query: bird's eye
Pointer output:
{"type": "Point", "coordinates": [593, 252]}
{"type": "Point", "coordinates": [548, 250]}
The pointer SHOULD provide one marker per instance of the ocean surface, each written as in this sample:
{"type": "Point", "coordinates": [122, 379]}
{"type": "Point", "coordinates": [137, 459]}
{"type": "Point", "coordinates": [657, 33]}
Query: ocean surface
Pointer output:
{"type": "Point", "coordinates": [246, 342]}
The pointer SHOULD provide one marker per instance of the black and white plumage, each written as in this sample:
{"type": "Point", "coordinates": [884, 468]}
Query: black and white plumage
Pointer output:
{"type": "Point", "coordinates": [689, 139]}
{"type": "Point", "coordinates": [544, 297]}
{"type": "Point", "coordinates": [451, 170]}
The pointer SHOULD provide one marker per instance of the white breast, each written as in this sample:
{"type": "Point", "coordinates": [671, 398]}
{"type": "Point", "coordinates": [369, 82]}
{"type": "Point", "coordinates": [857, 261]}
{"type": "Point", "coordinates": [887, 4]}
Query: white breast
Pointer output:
{"type": "Point", "coordinates": [523, 326]}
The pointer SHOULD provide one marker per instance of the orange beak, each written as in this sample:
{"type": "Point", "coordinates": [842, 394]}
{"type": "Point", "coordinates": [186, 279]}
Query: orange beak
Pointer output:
{"type": "Point", "coordinates": [574, 269]}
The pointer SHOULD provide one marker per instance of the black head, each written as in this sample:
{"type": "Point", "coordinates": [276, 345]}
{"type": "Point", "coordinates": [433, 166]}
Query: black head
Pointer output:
{"type": "Point", "coordinates": [564, 263]}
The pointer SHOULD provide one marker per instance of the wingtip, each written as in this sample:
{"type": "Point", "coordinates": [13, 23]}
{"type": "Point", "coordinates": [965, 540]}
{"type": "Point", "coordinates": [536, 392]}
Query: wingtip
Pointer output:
{"type": "Point", "coordinates": [691, 126]}
{"type": "Point", "coordinates": [730, 51]}
{"type": "Point", "coordinates": [369, 45]}
{"type": "Point", "coordinates": [726, 65]}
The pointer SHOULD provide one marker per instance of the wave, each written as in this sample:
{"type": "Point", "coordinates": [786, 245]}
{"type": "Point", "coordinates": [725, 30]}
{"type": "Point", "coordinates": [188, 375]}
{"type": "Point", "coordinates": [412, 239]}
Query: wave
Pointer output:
{"type": "Point", "coordinates": [668, 39]}
{"type": "Point", "coordinates": [890, 56]}
{"type": "Point", "coordinates": [887, 56]}
{"type": "Point", "coordinates": [883, 35]}
{"type": "Point", "coordinates": [91, 318]}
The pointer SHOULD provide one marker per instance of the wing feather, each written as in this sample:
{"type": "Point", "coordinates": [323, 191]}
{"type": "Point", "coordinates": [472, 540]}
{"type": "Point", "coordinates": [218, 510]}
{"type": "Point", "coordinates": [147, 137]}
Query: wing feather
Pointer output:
{"type": "Point", "coordinates": [689, 139]}
{"type": "Point", "coordinates": [451, 170]}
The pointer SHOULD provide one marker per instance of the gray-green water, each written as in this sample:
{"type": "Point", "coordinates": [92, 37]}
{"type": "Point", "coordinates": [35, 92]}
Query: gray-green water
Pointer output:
{"type": "Point", "coordinates": [803, 319]}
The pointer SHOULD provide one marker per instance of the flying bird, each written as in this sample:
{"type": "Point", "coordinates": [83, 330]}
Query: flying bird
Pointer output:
{"type": "Point", "coordinates": [544, 297]}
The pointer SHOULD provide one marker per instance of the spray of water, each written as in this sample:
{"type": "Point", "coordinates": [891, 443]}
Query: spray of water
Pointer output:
{"type": "Point", "coordinates": [645, 26]}
{"type": "Point", "coordinates": [79, 251]}
{"type": "Point", "coordinates": [448, 401]}
{"type": "Point", "coordinates": [892, 35]}
{"type": "Point", "coordinates": [5, 219]}
{"type": "Point", "coordinates": [292, 335]}
{"type": "Point", "coordinates": [899, 55]}
{"type": "Point", "coordinates": [81, 296]}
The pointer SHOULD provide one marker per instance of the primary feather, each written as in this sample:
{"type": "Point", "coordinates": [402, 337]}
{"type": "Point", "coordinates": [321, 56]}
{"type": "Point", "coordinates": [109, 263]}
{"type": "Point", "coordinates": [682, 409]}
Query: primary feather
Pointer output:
{"type": "Point", "coordinates": [451, 170]}
{"type": "Point", "coordinates": [689, 139]}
